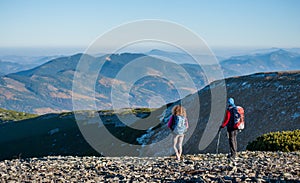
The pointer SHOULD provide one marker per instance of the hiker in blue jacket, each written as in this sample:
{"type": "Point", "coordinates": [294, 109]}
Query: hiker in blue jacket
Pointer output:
{"type": "Point", "coordinates": [230, 117]}
{"type": "Point", "coordinates": [178, 123]}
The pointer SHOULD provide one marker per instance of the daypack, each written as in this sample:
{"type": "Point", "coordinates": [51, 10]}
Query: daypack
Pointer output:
{"type": "Point", "coordinates": [239, 119]}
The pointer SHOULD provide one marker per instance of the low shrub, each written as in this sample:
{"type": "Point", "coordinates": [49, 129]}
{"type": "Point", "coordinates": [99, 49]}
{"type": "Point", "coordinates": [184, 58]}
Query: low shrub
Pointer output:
{"type": "Point", "coordinates": [285, 141]}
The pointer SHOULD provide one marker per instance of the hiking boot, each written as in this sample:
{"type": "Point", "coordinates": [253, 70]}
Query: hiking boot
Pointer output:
{"type": "Point", "coordinates": [233, 157]}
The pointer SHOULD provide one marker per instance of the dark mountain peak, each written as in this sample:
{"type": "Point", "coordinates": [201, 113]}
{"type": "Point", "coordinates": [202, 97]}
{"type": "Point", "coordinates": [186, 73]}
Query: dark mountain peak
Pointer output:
{"type": "Point", "coordinates": [156, 51]}
{"type": "Point", "coordinates": [55, 65]}
{"type": "Point", "coordinates": [131, 54]}
{"type": "Point", "coordinates": [274, 51]}
{"type": "Point", "coordinates": [126, 54]}
{"type": "Point", "coordinates": [67, 59]}
{"type": "Point", "coordinates": [283, 52]}
{"type": "Point", "coordinates": [80, 56]}
{"type": "Point", "coordinates": [123, 58]}
{"type": "Point", "coordinates": [166, 53]}
{"type": "Point", "coordinates": [76, 56]}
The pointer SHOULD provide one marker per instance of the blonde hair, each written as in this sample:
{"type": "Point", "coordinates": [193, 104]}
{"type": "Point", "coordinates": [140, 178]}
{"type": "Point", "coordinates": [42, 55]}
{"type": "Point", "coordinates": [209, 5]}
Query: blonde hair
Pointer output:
{"type": "Point", "coordinates": [178, 110]}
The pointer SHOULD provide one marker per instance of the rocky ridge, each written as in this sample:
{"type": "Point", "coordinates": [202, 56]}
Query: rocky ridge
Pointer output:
{"type": "Point", "coordinates": [248, 167]}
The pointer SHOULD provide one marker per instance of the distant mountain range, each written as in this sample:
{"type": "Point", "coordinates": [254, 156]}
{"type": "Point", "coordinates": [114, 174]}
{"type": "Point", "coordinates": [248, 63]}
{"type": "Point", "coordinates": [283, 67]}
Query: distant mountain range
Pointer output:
{"type": "Point", "coordinates": [180, 57]}
{"type": "Point", "coordinates": [11, 63]}
{"type": "Point", "coordinates": [26, 60]}
{"type": "Point", "coordinates": [271, 102]}
{"type": "Point", "coordinates": [279, 60]}
{"type": "Point", "coordinates": [48, 87]}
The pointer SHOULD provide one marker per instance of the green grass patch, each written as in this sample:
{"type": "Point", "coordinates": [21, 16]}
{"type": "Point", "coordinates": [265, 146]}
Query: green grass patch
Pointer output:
{"type": "Point", "coordinates": [286, 141]}
{"type": "Point", "coordinates": [9, 115]}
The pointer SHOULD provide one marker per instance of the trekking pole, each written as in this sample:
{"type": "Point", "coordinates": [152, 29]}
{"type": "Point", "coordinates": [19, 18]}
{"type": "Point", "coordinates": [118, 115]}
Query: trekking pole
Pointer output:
{"type": "Point", "coordinates": [218, 142]}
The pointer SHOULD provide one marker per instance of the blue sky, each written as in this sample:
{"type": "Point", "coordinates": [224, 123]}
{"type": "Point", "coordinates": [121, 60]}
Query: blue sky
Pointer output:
{"type": "Point", "coordinates": [228, 23]}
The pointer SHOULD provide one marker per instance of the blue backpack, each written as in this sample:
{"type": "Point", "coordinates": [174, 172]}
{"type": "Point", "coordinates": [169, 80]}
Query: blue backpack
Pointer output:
{"type": "Point", "coordinates": [179, 125]}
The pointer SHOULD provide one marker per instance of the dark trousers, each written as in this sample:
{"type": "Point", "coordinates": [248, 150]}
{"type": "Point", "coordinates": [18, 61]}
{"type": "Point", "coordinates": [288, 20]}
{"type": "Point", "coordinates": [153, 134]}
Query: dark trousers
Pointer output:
{"type": "Point", "coordinates": [232, 142]}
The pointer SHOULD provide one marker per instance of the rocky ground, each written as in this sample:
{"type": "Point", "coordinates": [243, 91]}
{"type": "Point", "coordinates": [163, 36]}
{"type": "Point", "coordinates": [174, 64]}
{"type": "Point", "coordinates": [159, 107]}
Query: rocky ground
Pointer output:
{"type": "Point", "coordinates": [248, 167]}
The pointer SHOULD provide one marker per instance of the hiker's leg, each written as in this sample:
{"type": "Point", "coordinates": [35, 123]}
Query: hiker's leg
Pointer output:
{"type": "Point", "coordinates": [232, 143]}
{"type": "Point", "coordinates": [175, 140]}
{"type": "Point", "coordinates": [180, 141]}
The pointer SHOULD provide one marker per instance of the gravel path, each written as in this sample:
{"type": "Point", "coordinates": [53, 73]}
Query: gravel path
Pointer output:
{"type": "Point", "coordinates": [248, 167]}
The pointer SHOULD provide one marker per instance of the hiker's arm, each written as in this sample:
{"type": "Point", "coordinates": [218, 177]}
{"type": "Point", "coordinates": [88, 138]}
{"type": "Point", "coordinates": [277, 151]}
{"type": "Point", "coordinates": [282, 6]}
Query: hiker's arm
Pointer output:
{"type": "Point", "coordinates": [226, 119]}
{"type": "Point", "coordinates": [186, 123]}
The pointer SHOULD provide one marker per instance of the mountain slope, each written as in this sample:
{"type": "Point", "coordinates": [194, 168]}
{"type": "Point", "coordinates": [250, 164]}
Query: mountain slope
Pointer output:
{"type": "Point", "coordinates": [271, 102]}
{"type": "Point", "coordinates": [48, 88]}
{"type": "Point", "coordinates": [59, 134]}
